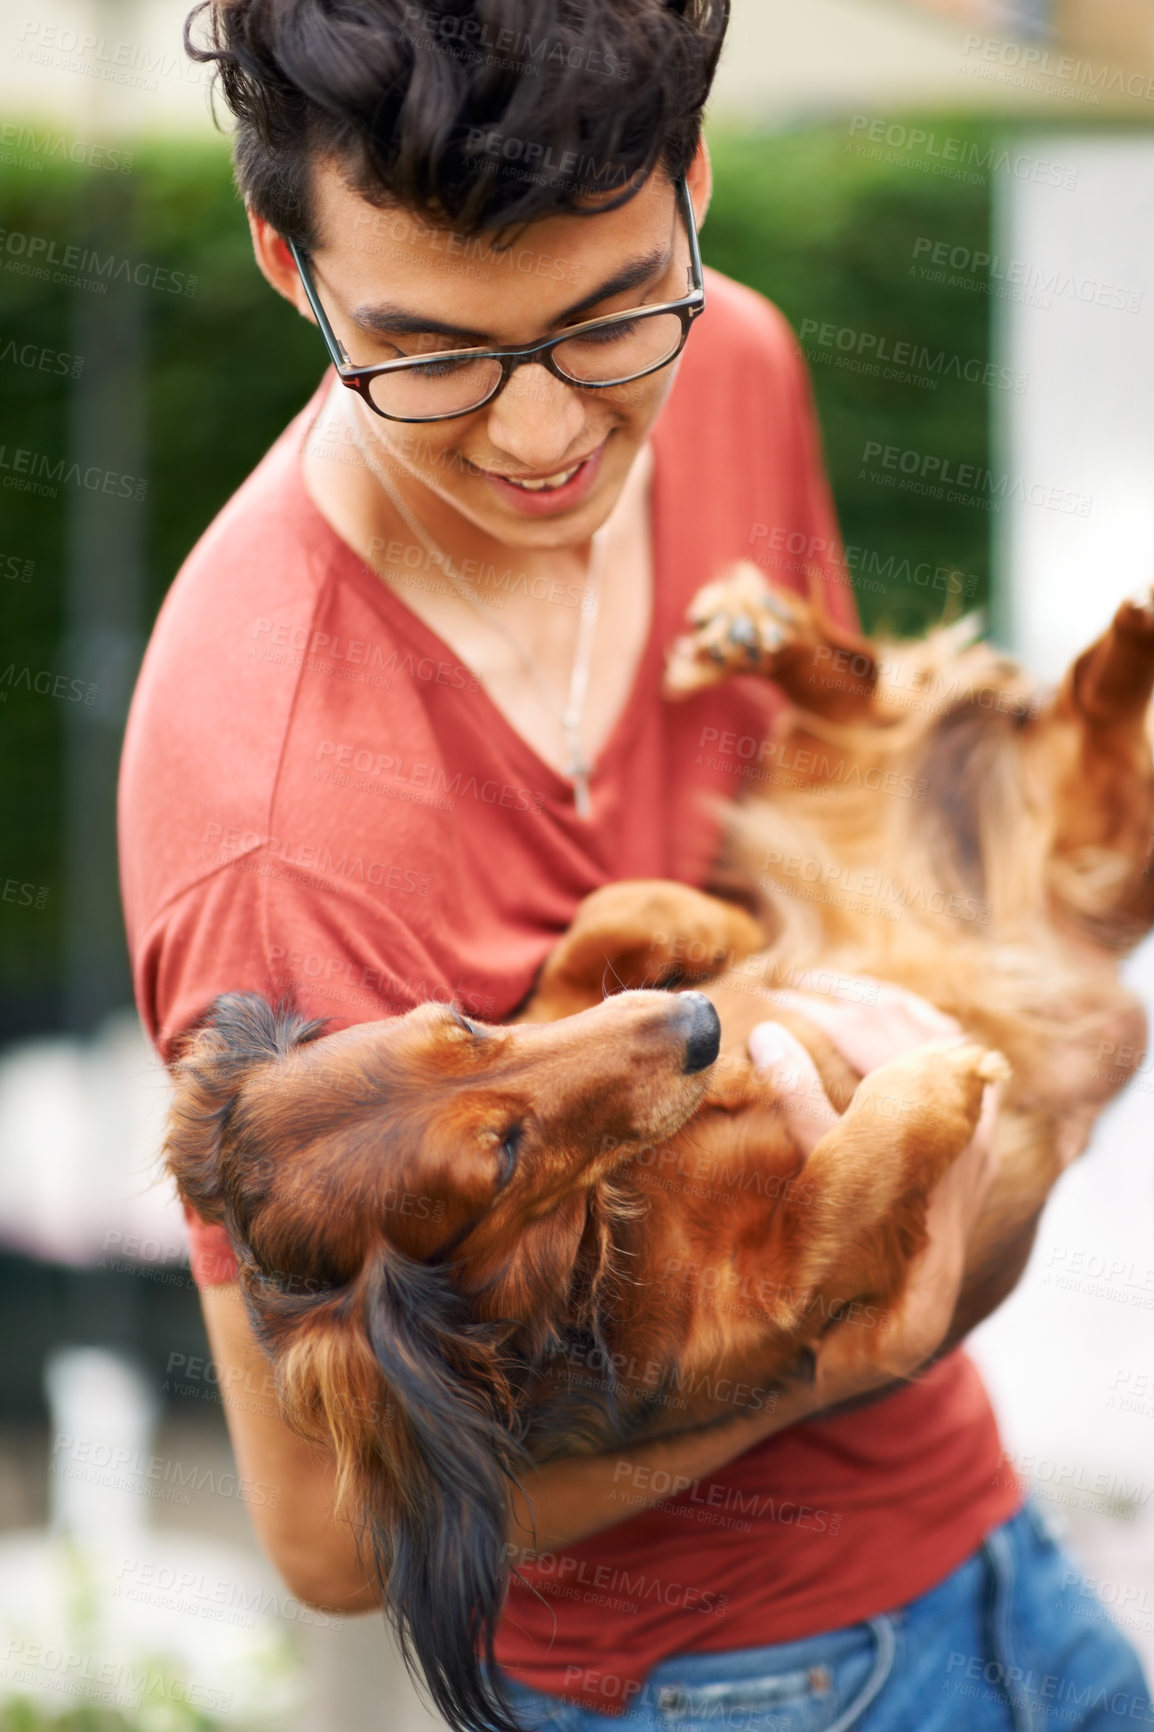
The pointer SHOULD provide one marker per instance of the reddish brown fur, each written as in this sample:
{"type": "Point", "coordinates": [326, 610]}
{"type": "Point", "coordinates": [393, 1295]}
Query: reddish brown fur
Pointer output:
{"type": "Point", "coordinates": [421, 1208]}
{"type": "Point", "coordinates": [1037, 815]}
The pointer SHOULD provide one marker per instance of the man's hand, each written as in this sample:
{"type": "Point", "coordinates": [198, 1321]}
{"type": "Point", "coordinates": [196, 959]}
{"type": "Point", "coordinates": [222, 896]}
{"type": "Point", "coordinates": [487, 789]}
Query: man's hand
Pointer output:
{"type": "Point", "coordinates": [855, 1359]}
{"type": "Point", "coordinates": [885, 1022]}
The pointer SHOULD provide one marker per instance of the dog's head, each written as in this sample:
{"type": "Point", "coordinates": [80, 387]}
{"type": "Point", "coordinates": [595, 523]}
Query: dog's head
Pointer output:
{"type": "Point", "coordinates": [429, 1135]}
{"type": "Point", "coordinates": [410, 1201]}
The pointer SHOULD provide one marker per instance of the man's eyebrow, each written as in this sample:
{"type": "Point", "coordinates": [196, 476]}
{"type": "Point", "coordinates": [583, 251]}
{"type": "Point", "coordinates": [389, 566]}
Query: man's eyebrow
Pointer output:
{"type": "Point", "coordinates": [630, 276]}
{"type": "Point", "coordinates": [389, 319]}
{"type": "Point", "coordinates": [392, 320]}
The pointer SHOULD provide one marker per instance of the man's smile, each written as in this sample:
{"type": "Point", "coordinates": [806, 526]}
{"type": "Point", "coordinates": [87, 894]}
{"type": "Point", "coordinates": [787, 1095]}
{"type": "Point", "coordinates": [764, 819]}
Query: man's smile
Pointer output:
{"type": "Point", "coordinates": [545, 492]}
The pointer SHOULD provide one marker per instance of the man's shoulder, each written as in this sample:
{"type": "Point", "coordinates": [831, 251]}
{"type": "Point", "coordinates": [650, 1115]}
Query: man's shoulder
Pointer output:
{"type": "Point", "coordinates": [259, 566]}
{"type": "Point", "coordinates": [742, 382]}
{"type": "Point", "coordinates": [261, 543]}
{"type": "Point", "coordinates": [739, 451]}
{"type": "Point", "coordinates": [214, 700]}
{"type": "Point", "coordinates": [740, 410]}
{"type": "Point", "coordinates": [740, 327]}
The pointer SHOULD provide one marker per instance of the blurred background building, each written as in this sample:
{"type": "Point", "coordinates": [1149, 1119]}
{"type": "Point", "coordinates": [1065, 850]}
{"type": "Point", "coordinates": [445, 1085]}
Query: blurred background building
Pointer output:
{"type": "Point", "coordinates": [968, 176]}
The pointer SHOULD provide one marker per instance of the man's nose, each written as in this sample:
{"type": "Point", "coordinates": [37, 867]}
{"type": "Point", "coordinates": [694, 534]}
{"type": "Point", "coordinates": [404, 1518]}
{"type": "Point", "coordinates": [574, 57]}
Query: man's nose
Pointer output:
{"type": "Point", "coordinates": [537, 418]}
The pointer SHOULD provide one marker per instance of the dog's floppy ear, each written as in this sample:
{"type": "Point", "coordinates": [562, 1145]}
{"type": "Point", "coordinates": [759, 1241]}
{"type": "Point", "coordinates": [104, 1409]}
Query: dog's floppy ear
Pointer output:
{"type": "Point", "coordinates": [417, 1400]}
{"type": "Point", "coordinates": [239, 1031]}
{"type": "Point", "coordinates": [444, 1554]}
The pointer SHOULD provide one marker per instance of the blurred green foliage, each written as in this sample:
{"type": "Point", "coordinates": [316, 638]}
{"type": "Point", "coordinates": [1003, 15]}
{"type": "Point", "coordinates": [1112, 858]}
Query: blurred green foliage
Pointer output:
{"type": "Point", "coordinates": [227, 366]}
{"type": "Point", "coordinates": [33, 414]}
{"type": "Point", "coordinates": [829, 235]}
{"type": "Point", "coordinates": [824, 231]}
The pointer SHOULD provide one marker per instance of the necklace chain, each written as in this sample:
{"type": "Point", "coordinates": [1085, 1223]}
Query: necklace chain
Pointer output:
{"type": "Point", "coordinates": [571, 714]}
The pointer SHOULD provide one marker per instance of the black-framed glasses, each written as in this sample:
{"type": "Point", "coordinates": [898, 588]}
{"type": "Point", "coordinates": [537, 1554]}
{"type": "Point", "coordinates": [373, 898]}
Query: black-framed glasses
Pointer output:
{"type": "Point", "coordinates": [594, 355]}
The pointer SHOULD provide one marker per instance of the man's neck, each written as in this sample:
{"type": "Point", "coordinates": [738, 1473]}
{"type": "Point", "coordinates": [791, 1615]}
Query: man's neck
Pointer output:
{"type": "Point", "coordinates": [533, 595]}
{"type": "Point", "coordinates": [341, 473]}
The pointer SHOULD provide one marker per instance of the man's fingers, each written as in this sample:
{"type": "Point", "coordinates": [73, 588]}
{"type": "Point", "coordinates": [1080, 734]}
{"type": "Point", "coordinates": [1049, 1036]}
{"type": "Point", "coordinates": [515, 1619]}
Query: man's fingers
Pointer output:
{"type": "Point", "coordinates": [780, 1060]}
{"type": "Point", "coordinates": [890, 1023]}
{"type": "Point", "coordinates": [986, 1134]}
{"type": "Point", "coordinates": [918, 1327]}
{"type": "Point", "coordinates": [962, 1191]}
{"type": "Point", "coordinates": [884, 1000]}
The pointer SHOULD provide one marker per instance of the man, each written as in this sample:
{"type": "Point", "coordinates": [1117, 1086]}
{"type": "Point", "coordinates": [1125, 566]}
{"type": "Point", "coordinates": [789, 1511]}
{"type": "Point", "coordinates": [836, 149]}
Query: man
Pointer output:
{"type": "Point", "coordinates": [401, 712]}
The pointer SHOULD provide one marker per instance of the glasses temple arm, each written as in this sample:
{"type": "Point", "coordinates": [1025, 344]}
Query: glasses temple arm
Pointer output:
{"type": "Point", "coordinates": [335, 347]}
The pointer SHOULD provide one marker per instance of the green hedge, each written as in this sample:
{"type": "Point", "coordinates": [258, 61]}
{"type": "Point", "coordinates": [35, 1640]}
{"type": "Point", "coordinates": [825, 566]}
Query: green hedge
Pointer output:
{"type": "Point", "coordinates": [825, 232]}
{"type": "Point", "coordinates": [830, 236]}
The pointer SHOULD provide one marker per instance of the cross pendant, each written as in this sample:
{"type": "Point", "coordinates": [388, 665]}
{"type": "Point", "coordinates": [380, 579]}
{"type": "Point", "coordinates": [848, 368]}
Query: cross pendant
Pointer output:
{"type": "Point", "coordinates": [581, 800]}
{"type": "Point", "coordinates": [579, 773]}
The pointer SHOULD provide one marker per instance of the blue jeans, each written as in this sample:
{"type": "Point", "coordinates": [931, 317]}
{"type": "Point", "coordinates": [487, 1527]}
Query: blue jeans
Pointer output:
{"type": "Point", "coordinates": [1012, 1641]}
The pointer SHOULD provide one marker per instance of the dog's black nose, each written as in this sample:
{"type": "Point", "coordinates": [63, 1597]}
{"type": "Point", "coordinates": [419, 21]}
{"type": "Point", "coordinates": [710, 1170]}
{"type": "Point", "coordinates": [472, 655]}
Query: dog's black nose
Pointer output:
{"type": "Point", "coordinates": [702, 1031]}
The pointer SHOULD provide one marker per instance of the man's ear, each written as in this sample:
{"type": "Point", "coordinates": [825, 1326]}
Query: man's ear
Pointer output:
{"type": "Point", "coordinates": [699, 178]}
{"type": "Point", "coordinates": [275, 263]}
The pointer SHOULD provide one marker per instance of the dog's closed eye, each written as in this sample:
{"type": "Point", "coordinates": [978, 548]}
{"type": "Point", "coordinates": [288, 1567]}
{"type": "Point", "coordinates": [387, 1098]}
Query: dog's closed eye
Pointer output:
{"type": "Point", "coordinates": [507, 1153]}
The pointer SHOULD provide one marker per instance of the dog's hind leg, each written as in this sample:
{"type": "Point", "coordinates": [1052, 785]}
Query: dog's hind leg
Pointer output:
{"type": "Point", "coordinates": [811, 1242]}
{"type": "Point", "coordinates": [868, 1180]}
{"type": "Point", "coordinates": [1104, 801]}
{"type": "Point", "coordinates": [1111, 683]}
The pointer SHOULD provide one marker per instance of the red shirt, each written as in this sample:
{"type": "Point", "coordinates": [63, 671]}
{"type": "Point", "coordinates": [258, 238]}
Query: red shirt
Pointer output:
{"type": "Point", "coordinates": [317, 797]}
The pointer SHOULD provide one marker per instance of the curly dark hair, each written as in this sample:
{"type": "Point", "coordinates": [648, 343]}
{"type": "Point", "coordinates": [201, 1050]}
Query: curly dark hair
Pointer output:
{"type": "Point", "coordinates": [482, 114]}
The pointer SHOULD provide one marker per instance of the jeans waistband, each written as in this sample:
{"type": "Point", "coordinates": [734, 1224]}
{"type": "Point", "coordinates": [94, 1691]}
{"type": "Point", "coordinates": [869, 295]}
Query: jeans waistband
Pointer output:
{"type": "Point", "coordinates": [682, 1687]}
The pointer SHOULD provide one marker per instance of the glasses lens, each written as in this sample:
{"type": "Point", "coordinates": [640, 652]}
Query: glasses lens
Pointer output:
{"type": "Point", "coordinates": [438, 387]}
{"type": "Point", "coordinates": [619, 352]}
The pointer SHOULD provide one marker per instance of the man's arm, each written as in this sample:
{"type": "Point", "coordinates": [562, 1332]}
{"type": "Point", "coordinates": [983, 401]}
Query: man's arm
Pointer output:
{"type": "Point", "coordinates": [294, 1518]}
{"type": "Point", "coordinates": [316, 1554]}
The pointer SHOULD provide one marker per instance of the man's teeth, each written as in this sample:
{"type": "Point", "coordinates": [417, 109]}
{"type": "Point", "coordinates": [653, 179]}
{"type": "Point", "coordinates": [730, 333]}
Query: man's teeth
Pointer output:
{"type": "Point", "coordinates": [558, 480]}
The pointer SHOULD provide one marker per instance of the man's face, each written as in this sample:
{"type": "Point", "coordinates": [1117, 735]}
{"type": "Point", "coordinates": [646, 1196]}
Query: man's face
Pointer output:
{"type": "Point", "coordinates": [381, 273]}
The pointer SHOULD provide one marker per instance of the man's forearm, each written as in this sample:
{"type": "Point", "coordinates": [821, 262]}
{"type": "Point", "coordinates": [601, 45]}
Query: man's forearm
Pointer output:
{"type": "Point", "coordinates": [295, 1519]}
{"type": "Point", "coordinates": [564, 1502]}
{"type": "Point", "coordinates": [571, 1499]}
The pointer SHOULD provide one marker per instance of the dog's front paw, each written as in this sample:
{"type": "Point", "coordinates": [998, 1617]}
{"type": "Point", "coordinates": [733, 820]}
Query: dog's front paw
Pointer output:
{"type": "Point", "coordinates": [648, 932]}
{"type": "Point", "coordinates": [741, 623]}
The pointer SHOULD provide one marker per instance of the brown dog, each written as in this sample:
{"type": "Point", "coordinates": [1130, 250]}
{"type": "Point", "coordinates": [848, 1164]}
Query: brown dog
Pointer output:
{"type": "Point", "coordinates": [437, 1221]}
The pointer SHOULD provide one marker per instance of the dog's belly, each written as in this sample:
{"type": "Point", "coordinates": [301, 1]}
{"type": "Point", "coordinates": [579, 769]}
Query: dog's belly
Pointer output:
{"type": "Point", "coordinates": [737, 1298]}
